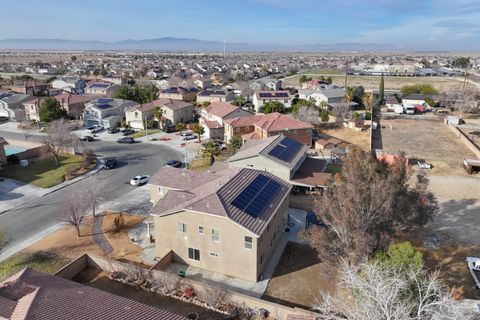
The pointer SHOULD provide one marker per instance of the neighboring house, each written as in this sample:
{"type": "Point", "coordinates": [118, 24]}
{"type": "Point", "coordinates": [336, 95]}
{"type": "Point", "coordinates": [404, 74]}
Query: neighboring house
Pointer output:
{"type": "Point", "coordinates": [203, 83]}
{"type": "Point", "coordinates": [283, 157]}
{"type": "Point", "coordinates": [327, 143]}
{"type": "Point", "coordinates": [266, 84]}
{"type": "Point", "coordinates": [261, 97]}
{"type": "Point", "coordinates": [29, 87]}
{"type": "Point", "coordinates": [35, 295]}
{"type": "Point", "coordinates": [214, 95]}
{"type": "Point", "coordinates": [117, 80]}
{"type": "Point", "coordinates": [264, 126]}
{"type": "Point", "coordinates": [416, 99]}
{"type": "Point", "coordinates": [174, 111]}
{"type": "Point", "coordinates": [47, 69]}
{"type": "Point", "coordinates": [106, 112]}
{"type": "Point", "coordinates": [317, 85]}
{"type": "Point", "coordinates": [11, 105]}
{"type": "Point", "coordinates": [324, 95]}
{"type": "Point", "coordinates": [3, 154]}
{"type": "Point", "coordinates": [73, 104]}
{"type": "Point", "coordinates": [178, 93]}
{"type": "Point", "coordinates": [101, 88]}
{"type": "Point", "coordinates": [212, 118]}
{"type": "Point", "coordinates": [228, 222]}
{"type": "Point", "coordinates": [69, 84]}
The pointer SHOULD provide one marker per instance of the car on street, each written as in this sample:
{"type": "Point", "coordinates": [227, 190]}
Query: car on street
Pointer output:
{"type": "Point", "coordinates": [139, 180]}
{"type": "Point", "coordinates": [113, 130]}
{"type": "Point", "coordinates": [128, 132]}
{"type": "Point", "coordinates": [169, 129]}
{"type": "Point", "coordinates": [126, 140]}
{"type": "Point", "coordinates": [109, 163]}
{"type": "Point", "coordinates": [95, 129]}
{"type": "Point", "coordinates": [87, 138]}
{"type": "Point", "coordinates": [424, 165]}
{"type": "Point", "coordinates": [173, 163]}
{"type": "Point", "coordinates": [188, 136]}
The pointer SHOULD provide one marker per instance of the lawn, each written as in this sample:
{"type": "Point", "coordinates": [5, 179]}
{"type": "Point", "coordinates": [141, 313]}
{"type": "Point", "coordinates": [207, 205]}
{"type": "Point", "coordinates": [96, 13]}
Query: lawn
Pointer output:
{"type": "Point", "coordinates": [40, 260]}
{"type": "Point", "coordinates": [44, 173]}
{"type": "Point", "coordinates": [321, 71]}
{"type": "Point", "coordinates": [143, 133]}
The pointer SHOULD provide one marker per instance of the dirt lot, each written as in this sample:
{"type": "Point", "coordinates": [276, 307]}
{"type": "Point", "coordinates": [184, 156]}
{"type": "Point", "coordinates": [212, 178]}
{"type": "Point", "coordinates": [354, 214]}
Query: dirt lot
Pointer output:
{"type": "Point", "coordinates": [299, 267]}
{"type": "Point", "coordinates": [427, 140]}
{"type": "Point", "coordinates": [357, 138]}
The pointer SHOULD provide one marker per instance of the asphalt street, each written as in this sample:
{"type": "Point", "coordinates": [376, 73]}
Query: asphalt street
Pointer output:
{"type": "Point", "coordinates": [40, 216]}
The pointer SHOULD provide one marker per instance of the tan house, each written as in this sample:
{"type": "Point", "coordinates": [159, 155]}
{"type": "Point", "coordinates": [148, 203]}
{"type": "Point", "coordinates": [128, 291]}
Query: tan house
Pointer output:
{"type": "Point", "coordinates": [174, 111]}
{"type": "Point", "coordinates": [285, 158]}
{"type": "Point", "coordinates": [73, 104]}
{"type": "Point", "coordinates": [264, 126]}
{"type": "Point", "coordinates": [214, 95]}
{"type": "Point", "coordinates": [29, 87]}
{"type": "Point", "coordinates": [178, 93]}
{"type": "Point", "coordinates": [101, 88]}
{"type": "Point", "coordinates": [212, 118]}
{"type": "Point", "coordinates": [227, 222]}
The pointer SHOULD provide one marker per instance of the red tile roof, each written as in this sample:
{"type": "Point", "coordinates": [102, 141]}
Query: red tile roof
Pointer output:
{"type": "Point", "coordinates": [36, 295]}
{"type": "Point", "coordinates": [221, 109]}
{"type": "Point", "coordinates": [212, 124]}
{"type": "Point", "coordinates": [271, 122]}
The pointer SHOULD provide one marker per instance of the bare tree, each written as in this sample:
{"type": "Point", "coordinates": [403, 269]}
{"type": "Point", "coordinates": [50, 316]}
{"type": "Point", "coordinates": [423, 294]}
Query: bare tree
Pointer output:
{"type": "Point", "coordinates": [58, 138]}
{"type": "Point", "coordinates": [376, 292]}
{"type": "Point", "coordinates": [93, 189]}
{"type": "Point", "coordinates": [74, 210]}
{"type": "Point", "coordinates": [365, 205]}
{"type": "Point", "coordinates": [213, 295]}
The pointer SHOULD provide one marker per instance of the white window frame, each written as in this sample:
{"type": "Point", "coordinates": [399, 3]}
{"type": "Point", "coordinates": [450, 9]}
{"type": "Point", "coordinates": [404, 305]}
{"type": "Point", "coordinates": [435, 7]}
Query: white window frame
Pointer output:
{"type": "Point", "coordinates": [214, 254]}
{"type": "Point", "coordinates": [217, 237]}
{"type": "Point", "coordinates": [248, 245]}
{"type": "Point", "coordinates": [201, 230]}
{"type": "Point", "coordinates": [182, 227]}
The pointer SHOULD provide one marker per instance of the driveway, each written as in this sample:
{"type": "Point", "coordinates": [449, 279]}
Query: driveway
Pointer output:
{"type": "Point", "coordinates": [14, 193]}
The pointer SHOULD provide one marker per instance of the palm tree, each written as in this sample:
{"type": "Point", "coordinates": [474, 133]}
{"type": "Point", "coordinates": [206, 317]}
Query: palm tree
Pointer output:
{"type": "Point", "coordinates": [367, 101]}
{"type": "Point", "coordinates": [235, 143]}
{"type": "Point", "coordinates": [199, 130]}
{"type": "Point", "coordinates": [157, 114]}
{"type": "Point", "coordinates": [211, 149]}
{"type": "Point", "coordinates": [349, 93]}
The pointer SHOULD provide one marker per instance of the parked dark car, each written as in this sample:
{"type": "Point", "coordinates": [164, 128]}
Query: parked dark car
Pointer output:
{"type": "Point", "coordinates": [87, 138]}
{"type": "Point", "coordinates": [169, 129]}
{"type": "Point", "coordinates": [126, 140]}
{"type": "Point", "coordinates": [128, 132]}
{"type": "Point", "coordinates": [113, 130]}
{"type": "Point", "coordinates": [174, 163]}
{"type": "Point", "coordinates": [109, 163]}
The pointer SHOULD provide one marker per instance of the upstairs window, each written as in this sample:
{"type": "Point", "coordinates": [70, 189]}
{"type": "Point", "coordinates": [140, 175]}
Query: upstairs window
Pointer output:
{"type": "Point", "coordinates": [248, 243]}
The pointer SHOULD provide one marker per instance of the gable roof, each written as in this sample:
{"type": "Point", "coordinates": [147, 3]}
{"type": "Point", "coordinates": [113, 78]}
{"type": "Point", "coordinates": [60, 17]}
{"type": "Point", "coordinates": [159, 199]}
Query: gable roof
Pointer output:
{"type": "Point", "coordinates": [256, 148]}
{"type": "Point", "coordinates": [213, 193]}
{"type": "Point", "coordinates": [33, 295]}
{"type": "Point", "coordinates": [221, 109]}
{"type": "Point", "coordinates": [272, 122]}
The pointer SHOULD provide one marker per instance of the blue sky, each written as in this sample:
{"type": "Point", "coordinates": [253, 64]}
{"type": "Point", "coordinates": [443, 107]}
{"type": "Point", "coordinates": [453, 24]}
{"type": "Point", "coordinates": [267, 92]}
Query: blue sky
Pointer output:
{"type": "Point", "coordinates": [404, 24]}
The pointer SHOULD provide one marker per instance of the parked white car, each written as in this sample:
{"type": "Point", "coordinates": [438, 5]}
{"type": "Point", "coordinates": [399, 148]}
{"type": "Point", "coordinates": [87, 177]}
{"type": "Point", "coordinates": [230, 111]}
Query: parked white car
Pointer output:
{"type": "Point", "coordinates": [139, 180]}
{"type": "Point", "coordinates": [425, 165]}
{"type": "Point", "coordinates": [188, 136]}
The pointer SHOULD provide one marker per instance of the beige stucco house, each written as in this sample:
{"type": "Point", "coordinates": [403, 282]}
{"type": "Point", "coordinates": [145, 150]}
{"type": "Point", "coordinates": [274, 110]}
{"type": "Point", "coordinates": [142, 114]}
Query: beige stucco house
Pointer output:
{"type": "Point", "coordinates": [228, 222]}
{"type": "Point", "coordinates": [212, 118]}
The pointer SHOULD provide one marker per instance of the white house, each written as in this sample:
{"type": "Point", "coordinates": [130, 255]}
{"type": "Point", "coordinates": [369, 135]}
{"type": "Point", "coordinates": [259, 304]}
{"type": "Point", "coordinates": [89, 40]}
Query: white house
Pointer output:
{"type": "Point", "coordinates": [106, 112]}
{"type": "Point", "coordinates": [11, 105]}
{"type": "Point", "coordinates": [261, 97]}
{"type": "Point", "coordinates": [69, 84]}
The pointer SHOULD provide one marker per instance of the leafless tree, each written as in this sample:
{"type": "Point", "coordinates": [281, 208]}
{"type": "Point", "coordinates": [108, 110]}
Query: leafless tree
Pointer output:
{"type": "Point", "coordinates": [365, 205]}
{"type": "Point", "coordinates": [213, 295]}
{"type": "Point", "coordinates": [93, 189]}
{"type": "Point", "coordinates": [58, 138]}
{"type": "Point", "coordinates": [74, 210]}
{"type": "Point", "coordinates": [27, 129]}
{"type": "Point", "coordinates": [376, 292]}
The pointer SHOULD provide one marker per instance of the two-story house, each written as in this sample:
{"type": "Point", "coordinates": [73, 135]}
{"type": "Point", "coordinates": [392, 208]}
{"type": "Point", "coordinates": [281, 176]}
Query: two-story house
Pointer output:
{"type": "Point", "coordinates": [73, 104]}
{"type": "Point", "coordinates": [69, 84]}
{"type": "Point", "coordinates": [261, 97]}
{"type": "Point", "coordinates": [101, 88]}
{"type": "Point", "coordinates": [11, 105]}
{"type": "Point", "coordinates": [266, 84]}
{"type": "Point", "coordinates": [178, 93]}
{"type": "Point", "coordinates": [283, 157]}
{"type": "Point", "coordinates": [214, 95]}
{"type": "Point", "coordinates": [267, 125]}
{"type": "Point", "coordinates": [29, 87]}
{"type": "Point", "coordinates": [228, 222]}
{"type": "Point", "coordinates": [174, 111]}
{"type": "Point", "coordinates": [212, 118]}
{"type": "Point", "coordinates": [105, 112]}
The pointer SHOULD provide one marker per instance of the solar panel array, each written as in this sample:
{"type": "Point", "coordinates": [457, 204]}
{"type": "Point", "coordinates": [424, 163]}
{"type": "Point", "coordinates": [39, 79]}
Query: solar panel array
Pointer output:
{"type": "Point", "coordinates": [273, 94]}
{"type": "Point", "coordinates": [285, 150]}
{"type": "Point", "coordinates": [257, 195]}
{"type": "Point", "coordinates": [100, 85]}
{"type": "Point", "coordinates": [104, 100]}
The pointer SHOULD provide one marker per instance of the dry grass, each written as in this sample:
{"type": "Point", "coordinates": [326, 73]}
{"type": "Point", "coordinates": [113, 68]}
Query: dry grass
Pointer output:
{"type": "Point", "coordinates": [360, 139]}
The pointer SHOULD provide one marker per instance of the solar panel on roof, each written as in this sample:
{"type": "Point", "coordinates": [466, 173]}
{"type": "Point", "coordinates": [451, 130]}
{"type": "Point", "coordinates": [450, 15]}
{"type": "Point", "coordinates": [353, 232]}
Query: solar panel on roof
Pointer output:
{"type": "Point", "coordinates": [104, 100]}
{"type": "Point", "coordinates": [285, 150]}
{"type": "Point", "coordinates": [257, 195]}
{"type": "Point", "coordinates": [104, 106]}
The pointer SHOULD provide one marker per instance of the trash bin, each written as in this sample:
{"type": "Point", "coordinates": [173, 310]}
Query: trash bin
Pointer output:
{"type": "Point", "coordinates": [182, 273]}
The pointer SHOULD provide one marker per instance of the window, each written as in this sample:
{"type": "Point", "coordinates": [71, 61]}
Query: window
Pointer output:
{"type": "Point", "coordinates": [200, 229]}
{"type": "Point", "coordinates": [182, 227]}
{"type": "Point", "coordinates": [136, 114]}
{"type": "Point", "coordinates": [237, 129]}
{"type": "Point", "coordinates": [261, 258]}
{"type": "Point", "coordinates": [194, 254]}
{"type": "Point", "coordinates": [214, 254]}
{"type": "Point", "coordinates": [215, 235]}
{"type": "Point", "coordinates": [248, 242]}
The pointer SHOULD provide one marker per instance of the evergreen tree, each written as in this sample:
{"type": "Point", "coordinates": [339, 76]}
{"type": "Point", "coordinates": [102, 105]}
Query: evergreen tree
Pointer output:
{"type": "Point", "coordinates": [50, 110]}
{"type": "Point", "coordinates": [381, 92]}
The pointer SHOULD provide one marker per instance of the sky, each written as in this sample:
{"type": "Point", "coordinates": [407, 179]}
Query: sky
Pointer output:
{"type": "Point", "coordinates": [397, 24]}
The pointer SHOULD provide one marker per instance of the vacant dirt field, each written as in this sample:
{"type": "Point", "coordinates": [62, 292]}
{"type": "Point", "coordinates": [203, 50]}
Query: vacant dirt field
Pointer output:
{"type": "Point", "coordinates": [426, 140]}
{"type": "Point", "coordinates": [357, 138]}
{"type": "Point", "coordinates": [299, 267]}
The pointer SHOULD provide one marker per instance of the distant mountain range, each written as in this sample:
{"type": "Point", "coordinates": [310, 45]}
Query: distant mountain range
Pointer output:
{"type": "Point", "coordinates": [181, 44]}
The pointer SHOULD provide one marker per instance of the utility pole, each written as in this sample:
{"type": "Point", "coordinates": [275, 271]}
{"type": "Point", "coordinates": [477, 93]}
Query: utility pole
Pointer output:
{"type": "Point", "coordinates": [346, 74]}
{"type": "Point", "coordinates": [465, 79]}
